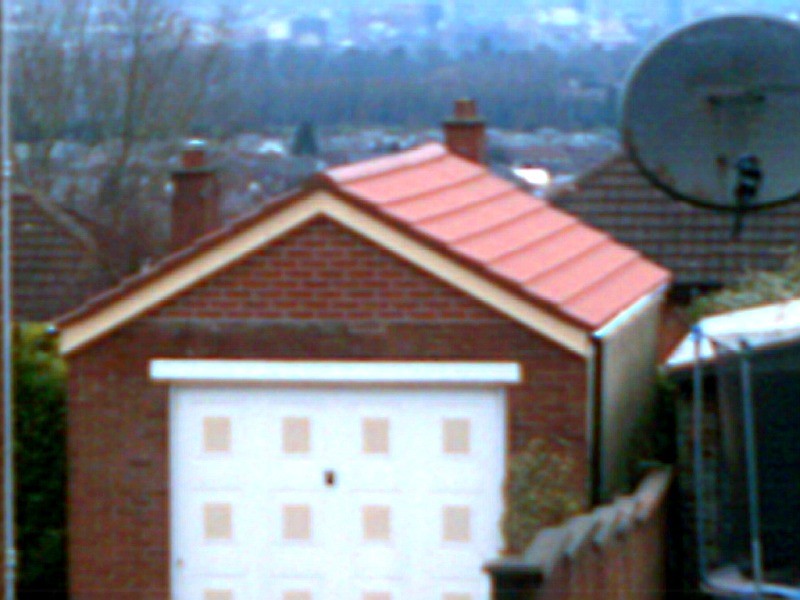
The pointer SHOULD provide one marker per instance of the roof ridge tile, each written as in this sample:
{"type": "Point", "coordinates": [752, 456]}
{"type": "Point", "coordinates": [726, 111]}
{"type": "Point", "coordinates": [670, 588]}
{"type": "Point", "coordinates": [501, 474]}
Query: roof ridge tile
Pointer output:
{"type": "Point", "coordinates": [426, 153]}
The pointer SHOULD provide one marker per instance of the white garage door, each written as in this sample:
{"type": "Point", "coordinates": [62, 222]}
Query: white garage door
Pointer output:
{"type": "Point", "coordinates": [335, 493]}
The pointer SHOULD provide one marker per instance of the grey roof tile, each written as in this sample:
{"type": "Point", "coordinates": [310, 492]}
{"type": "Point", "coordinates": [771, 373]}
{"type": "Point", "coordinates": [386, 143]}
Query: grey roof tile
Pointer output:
{"type": "Point", "coordinates": [695, 243]}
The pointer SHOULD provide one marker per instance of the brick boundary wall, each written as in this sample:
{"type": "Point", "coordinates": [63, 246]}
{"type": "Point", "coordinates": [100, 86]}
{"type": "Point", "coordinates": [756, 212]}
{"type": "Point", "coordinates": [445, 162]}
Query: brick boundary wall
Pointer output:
{"type": "Point", "coordinates": [618, 551]}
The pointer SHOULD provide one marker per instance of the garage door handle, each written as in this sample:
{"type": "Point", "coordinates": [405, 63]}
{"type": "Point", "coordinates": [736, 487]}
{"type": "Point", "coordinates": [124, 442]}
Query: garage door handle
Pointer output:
{"type": "Point", "coordinates": [330, 478]}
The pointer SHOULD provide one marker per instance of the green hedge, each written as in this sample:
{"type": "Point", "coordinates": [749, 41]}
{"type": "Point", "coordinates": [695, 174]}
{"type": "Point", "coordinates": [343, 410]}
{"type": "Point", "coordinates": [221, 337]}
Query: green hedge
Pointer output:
{"type": "Point", "coordinates": [540, 491]}
{"type": "Point", "coordinates": [40, 462]}
{"type": "Point", "coordinates": [753, 289]}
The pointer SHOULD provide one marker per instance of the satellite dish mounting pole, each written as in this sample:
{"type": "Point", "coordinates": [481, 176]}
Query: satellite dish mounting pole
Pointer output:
{"type": "Point", "coordinates": [737, 111]}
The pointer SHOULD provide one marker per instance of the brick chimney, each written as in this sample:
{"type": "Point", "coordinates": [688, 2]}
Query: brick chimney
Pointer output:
{"type": "Point", "coordinates": [195, 200]}
{"type": "Point", "coordinates": [465, 131]}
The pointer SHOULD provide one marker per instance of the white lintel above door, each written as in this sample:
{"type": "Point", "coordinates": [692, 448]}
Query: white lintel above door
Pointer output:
{"type": "Point", "coordinates": [397, 372]}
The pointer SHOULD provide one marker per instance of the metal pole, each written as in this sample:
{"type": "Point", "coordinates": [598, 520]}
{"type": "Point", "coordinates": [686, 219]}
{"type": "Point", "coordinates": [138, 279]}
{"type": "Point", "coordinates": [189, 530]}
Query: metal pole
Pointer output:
{"type": "Point", "coordinates": [752, 468]}
{"type": "Point", "coordinates": [697, 448]}
{"type": "Point", "coordinates": [5, 273]}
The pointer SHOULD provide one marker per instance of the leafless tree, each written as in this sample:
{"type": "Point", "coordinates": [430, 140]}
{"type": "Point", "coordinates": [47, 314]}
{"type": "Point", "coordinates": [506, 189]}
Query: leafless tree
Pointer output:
{"type": "Point", "coordinates": [121, 73]}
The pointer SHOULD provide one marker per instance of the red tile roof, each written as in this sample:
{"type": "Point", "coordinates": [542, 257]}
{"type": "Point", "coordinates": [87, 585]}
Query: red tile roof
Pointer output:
{"type": "Point", "coordinates": [460, 208]}
{"type": "Point", "coordinates": [552, 257]}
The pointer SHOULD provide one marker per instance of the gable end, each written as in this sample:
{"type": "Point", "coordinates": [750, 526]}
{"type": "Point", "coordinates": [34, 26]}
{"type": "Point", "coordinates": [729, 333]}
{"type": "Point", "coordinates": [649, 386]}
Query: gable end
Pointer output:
{"type": "Point", "coordinates": [322, 271]}
{"type": "Point", "coordinates": [82, 330]}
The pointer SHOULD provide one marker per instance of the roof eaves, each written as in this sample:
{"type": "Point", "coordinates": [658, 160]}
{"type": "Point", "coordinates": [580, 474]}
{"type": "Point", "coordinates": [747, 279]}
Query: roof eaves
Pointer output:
{"type": "Point", "coordinates": [655, 287]}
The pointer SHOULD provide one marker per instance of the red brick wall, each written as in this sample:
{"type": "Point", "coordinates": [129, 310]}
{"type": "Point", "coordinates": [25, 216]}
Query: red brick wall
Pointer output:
{"type": "Point", "coordinates": [616, 552]}
{"type": "Point", "coordinates": [324, 272]}
{"type": "Point", "coordinates": [675, 325]}
{"type": "Point", "coordinates": [321, 293]}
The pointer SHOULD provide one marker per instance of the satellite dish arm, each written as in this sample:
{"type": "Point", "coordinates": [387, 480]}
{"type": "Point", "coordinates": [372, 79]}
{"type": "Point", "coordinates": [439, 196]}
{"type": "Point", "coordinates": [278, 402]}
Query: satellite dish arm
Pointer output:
{"type": "Point", "coordinates": [748, 182]}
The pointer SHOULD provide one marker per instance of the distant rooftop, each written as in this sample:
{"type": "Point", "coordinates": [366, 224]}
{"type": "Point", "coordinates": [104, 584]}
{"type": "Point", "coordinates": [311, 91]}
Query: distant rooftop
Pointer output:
{"type": "Point", "coordinates": [695, 244]}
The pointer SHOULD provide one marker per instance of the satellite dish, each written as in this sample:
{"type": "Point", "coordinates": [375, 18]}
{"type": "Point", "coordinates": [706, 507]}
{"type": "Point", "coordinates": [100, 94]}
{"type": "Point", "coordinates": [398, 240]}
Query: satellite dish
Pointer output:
{"type": "Point", "coordinates": [711, 114]}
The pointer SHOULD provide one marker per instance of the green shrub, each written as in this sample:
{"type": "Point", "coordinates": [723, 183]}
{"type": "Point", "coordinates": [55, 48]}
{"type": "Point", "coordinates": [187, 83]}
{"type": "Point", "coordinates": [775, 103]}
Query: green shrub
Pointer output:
{"type": "Point", "coordinates": [755, 288]}
{"type": "Point", "coordinates": [40, 462]}
{"type": "Point", "coordinates": [541, 490]}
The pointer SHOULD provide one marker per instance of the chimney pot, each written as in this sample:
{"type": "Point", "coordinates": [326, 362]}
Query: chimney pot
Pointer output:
{"type": "Point", "coordinates": [194, 155]}
{"type": "Point", "coordinates": [196, 196]}
{"type": "Point", "coordinates": [465, 108]}
{"type": "Point", "coordinates": [465, 131]}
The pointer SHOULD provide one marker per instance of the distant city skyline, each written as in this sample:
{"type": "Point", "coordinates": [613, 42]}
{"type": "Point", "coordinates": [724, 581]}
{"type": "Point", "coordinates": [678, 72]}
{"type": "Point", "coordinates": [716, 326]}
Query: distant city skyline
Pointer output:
{"type": "Point", "coordinates": [595, 7]}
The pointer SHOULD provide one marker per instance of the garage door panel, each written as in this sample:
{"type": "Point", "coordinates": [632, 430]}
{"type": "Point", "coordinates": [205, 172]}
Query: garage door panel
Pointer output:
{"type": "Point", "coordinates": [296, 562]}
{"type": "Point", "coordinates": [374, 515]}
{"type": "Point", "coordinates": [214, 476]}
{"type": "Point", "coordinates": [377, 563]}
{"type": "Point", "coordinates": [213, 518]}
{"type": "Point", "coordinates": [453, 563]}
{"type": "Point", "coordinates": [377, 589]}
{"type": "Point", "coordinates": [289, 588]}
{"type": "Point", "coordinates": [290, 433]}
{"type": "Point", "coordinates": [219, 562]}
{"type": "Point", "coordinates": [470, 589]}
{"type": "Point", "coordinates": [375, 532]}
{"type": "Point", "coordinates": [371, 476]}
{"type": "Point", "coordinates": [460, 478]}
{"type": "Point", "coordinates": [295, 518]}
{"type": "Point", "coordinates": [298, 536]}
{"type": "Point", "coordinates": [213, 435]}
{"type": "Point", "coordinates": [346, 494]}
{"type": "Point", "coordinates": [217, 588]}
{"type": "Point", "coordinates": [293, 476]}
{"type": "Point", "coordinates": [296, 447]}
{"type": "Point", "coordinates": [216, 562]}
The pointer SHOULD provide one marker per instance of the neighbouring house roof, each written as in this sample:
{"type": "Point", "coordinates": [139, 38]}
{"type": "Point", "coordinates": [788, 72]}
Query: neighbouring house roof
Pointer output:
{"type": "Point", "coordinates": [696, 244]}
{"type": "Point", "coordinates": [761, 326]}
{"type": "Point", "coordinates": [56, 261]}
{"type": "Point", "coordinates": [450, 217]}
